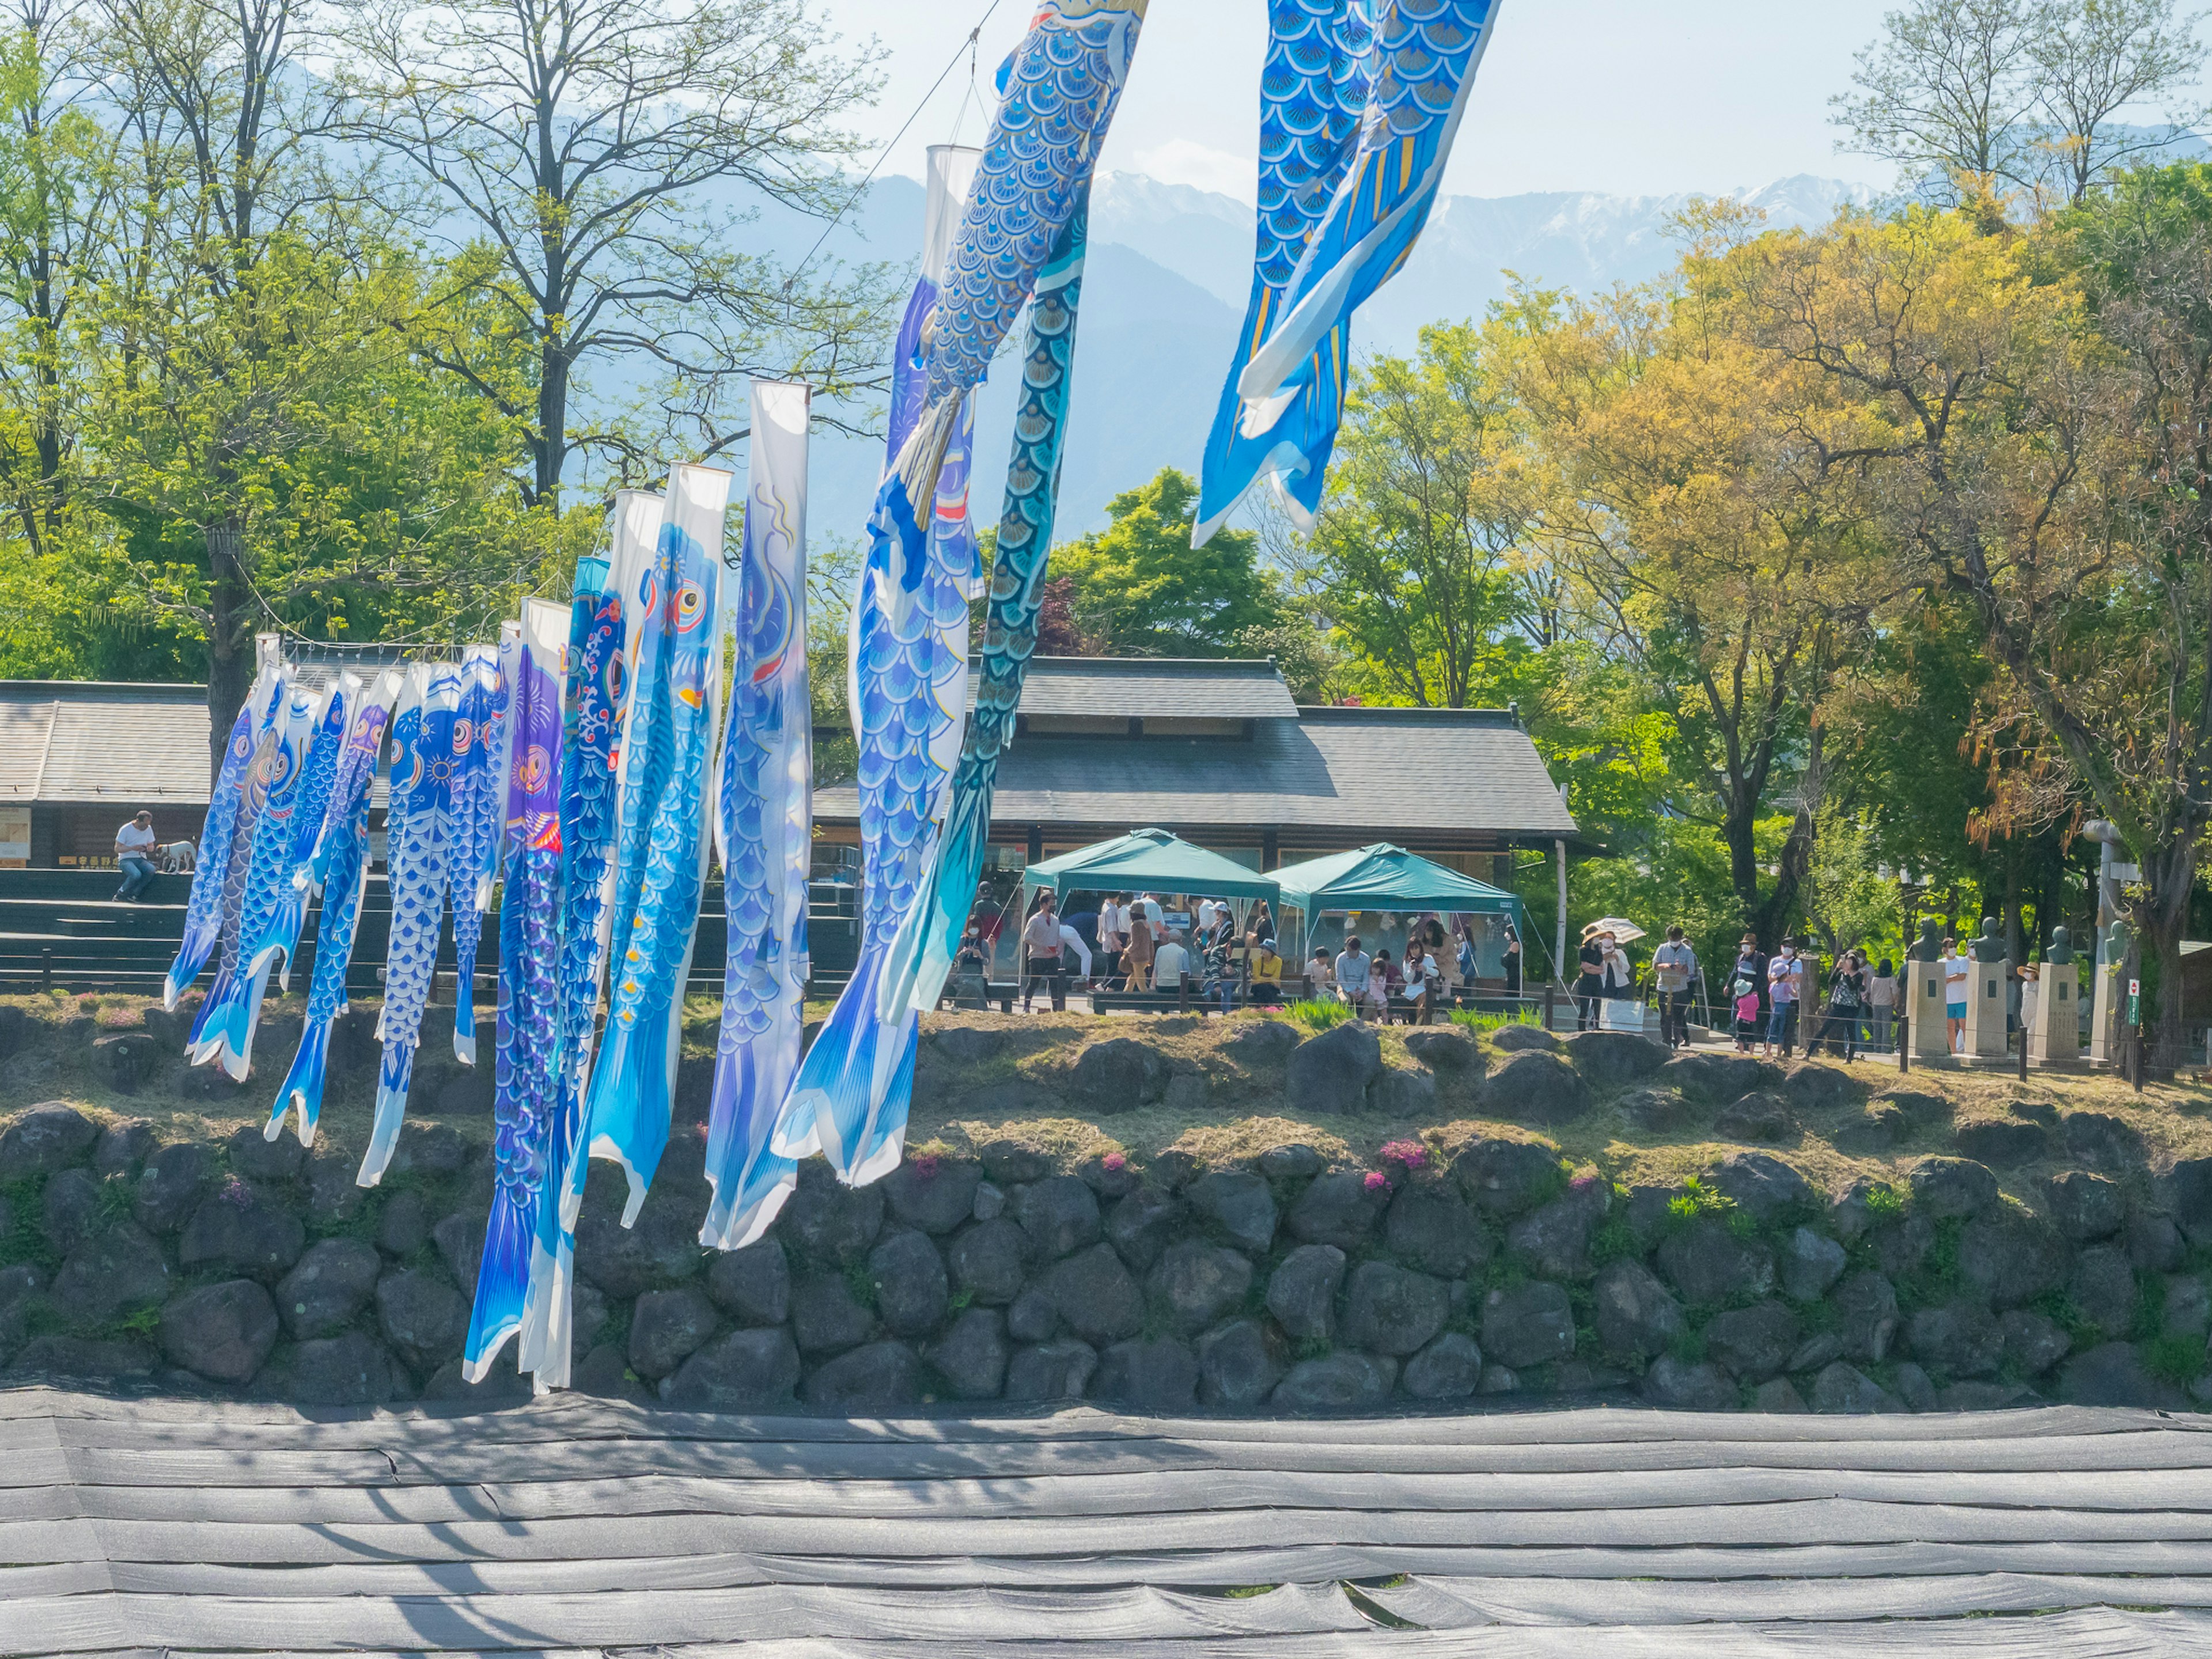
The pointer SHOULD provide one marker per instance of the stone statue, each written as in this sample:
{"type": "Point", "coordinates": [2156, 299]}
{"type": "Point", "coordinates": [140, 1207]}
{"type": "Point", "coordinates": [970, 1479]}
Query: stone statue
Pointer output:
{"type": "Point", "coordinates": [1989, 947]}
{"type": "Point", "coordinates": [1930, 946]}
{"type": "Point", "coordinates": [2061, 951]}
{"type": "Point", "coordinates": [2116, 940]}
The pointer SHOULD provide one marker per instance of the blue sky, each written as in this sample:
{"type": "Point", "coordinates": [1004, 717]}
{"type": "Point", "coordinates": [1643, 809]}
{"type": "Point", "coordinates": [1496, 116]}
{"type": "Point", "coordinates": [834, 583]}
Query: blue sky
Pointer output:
{"type": "Point", "coordinates": [1614, 95]}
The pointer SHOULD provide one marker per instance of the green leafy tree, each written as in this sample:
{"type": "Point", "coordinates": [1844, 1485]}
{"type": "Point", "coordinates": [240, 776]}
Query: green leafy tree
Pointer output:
{"type": "Point", "coordinates": [1141, 590]}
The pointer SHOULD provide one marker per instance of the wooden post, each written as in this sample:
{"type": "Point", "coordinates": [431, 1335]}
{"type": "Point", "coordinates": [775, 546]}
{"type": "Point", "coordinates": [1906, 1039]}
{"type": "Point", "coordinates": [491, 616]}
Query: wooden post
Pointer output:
{"type": "Point", "coordinates": [1904, 1037]}
{"type": "Point", "coordinates": [46, 968]}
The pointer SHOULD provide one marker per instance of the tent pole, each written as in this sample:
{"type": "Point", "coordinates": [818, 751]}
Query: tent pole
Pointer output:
{"type": "Point", "coordinates": [1559, 950]}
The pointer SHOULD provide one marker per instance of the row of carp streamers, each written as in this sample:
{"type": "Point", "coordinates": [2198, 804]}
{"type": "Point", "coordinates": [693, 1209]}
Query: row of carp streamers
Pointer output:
{"type": "Point", "coordinates": [578, 764]}
{"type": "Point", "coordinates": [573, 767]}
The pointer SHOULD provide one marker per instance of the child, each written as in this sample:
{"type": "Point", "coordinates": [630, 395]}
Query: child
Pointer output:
{"type": "Point", "coordinates": [1747, 1013]}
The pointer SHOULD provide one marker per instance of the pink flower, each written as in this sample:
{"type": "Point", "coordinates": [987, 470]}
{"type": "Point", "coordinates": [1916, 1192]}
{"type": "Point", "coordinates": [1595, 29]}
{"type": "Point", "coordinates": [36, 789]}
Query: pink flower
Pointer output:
{"type": "Point", "coordinates": [1378, 1182]}
{"type": "Point", "coordinates": [925, 1164]}
{"type": "Point", "coordinates": [1410, 1153]}
{"type": "Point", "coordinates": [1114, 1161]}
{"type": "Point", "coordinates": [1583, 1182]}
{"type": "Point", "coordinates": [236, 1194]}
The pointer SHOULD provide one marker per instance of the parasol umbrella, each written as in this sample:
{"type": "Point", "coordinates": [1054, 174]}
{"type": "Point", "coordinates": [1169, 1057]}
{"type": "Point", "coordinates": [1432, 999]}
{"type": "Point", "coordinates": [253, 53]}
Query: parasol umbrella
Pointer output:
{"type": "Point", "coordinates": [1621, 927]}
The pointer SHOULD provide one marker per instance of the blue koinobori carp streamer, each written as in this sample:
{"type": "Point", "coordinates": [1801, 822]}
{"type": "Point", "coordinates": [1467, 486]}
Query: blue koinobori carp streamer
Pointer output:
{"type": "Point", "coordinates": [660, 840]}
{"type": "Point", "coordinates": [906, 681]}
{"type": "Point", "coordinates": [528, 1066]}
{"type": "Point", "coordinates": [1312, 87]}
{"type": "Point", "coordinates": [261, 842]}
{"type": "Point", "coordinates": [278, 939]}
{"type": "Point", "coordinates": [480, 757]}
{"type": "Point", "coordinates": [338, 865]}
{"type": "Point", "coordinates": [763, 832]}
{"type": "Point", "coordinates": [952, 171]}
{"type": "Point", "coordinates": [418, 848]}
{"type": "Point", "coordinates": [602, 642]}
{"type": "Point", "coordinates": [208, 907]}
{"type": "Point", "coordinates": [1018, 578]}
{"type": "Point", "coordinates": [1425, 53]}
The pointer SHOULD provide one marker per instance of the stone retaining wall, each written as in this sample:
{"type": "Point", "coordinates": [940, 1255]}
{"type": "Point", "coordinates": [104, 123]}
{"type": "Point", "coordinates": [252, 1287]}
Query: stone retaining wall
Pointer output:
{"type": "Point", "coordinates": [256, 1268]}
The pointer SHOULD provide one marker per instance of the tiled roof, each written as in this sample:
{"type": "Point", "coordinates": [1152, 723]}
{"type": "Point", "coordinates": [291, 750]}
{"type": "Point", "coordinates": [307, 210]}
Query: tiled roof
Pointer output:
{"type": "Point", "coordinates": [1156, 688]}
{"type": "Point", "coordinates": [89, 740]}
{"type": "Point", "coordinates": [1433, 776]}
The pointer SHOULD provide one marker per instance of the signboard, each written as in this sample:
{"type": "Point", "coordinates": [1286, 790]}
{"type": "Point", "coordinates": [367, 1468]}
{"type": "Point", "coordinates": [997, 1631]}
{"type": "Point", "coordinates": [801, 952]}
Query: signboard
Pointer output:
{"type": "Point", "coordinates": [15, 837]}
{"type": "Point", "coordinates": [2135, 1002]}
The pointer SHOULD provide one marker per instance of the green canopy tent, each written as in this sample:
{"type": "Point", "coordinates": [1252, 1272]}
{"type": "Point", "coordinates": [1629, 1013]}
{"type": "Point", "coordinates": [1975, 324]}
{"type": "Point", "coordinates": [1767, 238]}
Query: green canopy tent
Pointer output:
{"type": "Point", "coordinates": [1386, 877]}
{"type": "Point", "coordinates": [1148, 861]}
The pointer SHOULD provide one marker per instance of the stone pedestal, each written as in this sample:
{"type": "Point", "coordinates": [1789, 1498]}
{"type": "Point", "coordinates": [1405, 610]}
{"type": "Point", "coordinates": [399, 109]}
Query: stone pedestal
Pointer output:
{"type": "Point", "coordinates": [2054, 1037]}
{"type": "Point", "coordinates": [1985, 1010]}
{"type": "Point", "coordinates": [1924, 995]}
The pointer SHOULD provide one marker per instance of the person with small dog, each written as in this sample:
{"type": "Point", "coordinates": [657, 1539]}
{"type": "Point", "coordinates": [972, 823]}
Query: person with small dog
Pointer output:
{"type": "Point", "coordinates": [134, 855]}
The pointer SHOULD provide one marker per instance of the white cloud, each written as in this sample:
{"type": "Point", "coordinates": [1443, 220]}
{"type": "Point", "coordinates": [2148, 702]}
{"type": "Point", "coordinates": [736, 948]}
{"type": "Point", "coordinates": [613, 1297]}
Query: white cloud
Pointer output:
{"type": "Point", "coordinates": [1184, 161]}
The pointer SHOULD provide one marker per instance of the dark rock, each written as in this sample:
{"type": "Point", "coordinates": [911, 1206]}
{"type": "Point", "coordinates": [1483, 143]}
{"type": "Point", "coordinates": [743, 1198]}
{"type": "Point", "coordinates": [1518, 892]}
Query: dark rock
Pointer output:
{"type": "Point", "coordinates": [990, 1201]}
{"type": "Point", "coordinates": [1611, 1058]}
{"type": "Point", "coordinates": [2084, 1206]}
{"type": "Point", "coordinates": [1553, 1242]}
{"type": "Point", "coordinates": [1762, 1186]}
{"type": "Point", "coordinates": [1810, 1087]}
{"type": "Point", "coordinates": [15, 1032]}
{"type": "Point", "coordinates": [2103, 1289]}
{"type": "Point", "coordinates": [1921, 1108]}
{"type": "Point", "coordinates": [432, 1149]}
{"type": "Point", "coordinates": [1946, 1186]}
{"type": "Point", "coordinates": [971, 1356]}
{"type": "Point", "coordinates": [1680, 1385]}
{"type": "Point", "coordinates": [1094, 1295]}
{"type": "Point", "coordinates": [1393, 1311]}
{"type": "Point", "coordinates": [1535, 1087]}
{"type": "Point", "coordinates": [2035, 1111]}
{"type": "Point", "coordinates": [1841, 1388]}
{"type": "Point", "coordinates": [1060, 1214]}
{"type": "Point", "coordinates": [989, 1262]}
{"type": "Point", "coordinates": [18, 1283]}
{"type": "Point", "coordinates": [351, 1369]}
{"type": "Point", "coordinates": [2103, 1141]}
{"type": "Point", "coordinates": [933, 1195]}
{"type": "Point", "coordinates": [1983, 1396]}
{"type": "Point", "coordinates": [911, 1292]}
{"type": "Point", "coordinates": [1506, 1178]}
{"type": "Point", "coordinates": [1009, 1164]}
{"type": "Point", "coordinates": [1522, 1036]}
{"type": "Point", "coordinates": [1121, 1074]}
{"type": "Point", "coordinates": [1302, 1293]}
{"type": "Point", "coordinates": [222, 1332]}
{"type": "Point", "coordinates": [1717, 1077]}
{"type": "Point", "coordinates": [1649, 1212]}
{"type": "Point", "coordinates": [205, 1085]}
{"type": "Point", "coordinates": [1238, 1365]}
{"type": "Point", "coordinates": [1239, 1203]}
{"type": "Point", "coordinates": [1196, 1285]}
{"type": "Point", "coordinates": [1337, 1382]}
{"type": "Point", "coordinates": [241, 1228]}
{"type": "Point", "coordinates": [2114, 1375]}
{"type": "Point", "coordinates": [1293, 1163]}
{"type": "Point", "coordinates": [2010, 1258]}
{"type": "Point", "coordinates": [868, 1378]}
{"type": "Point", "coordinates": [666, 1327]}
{"type": "Point", "coordinates": [1961, 1338]}
{"type": "Point", "coordinates": [1761, 1116]}
{"type": "Point", "coordinates": [662, 1247]}
{"type": "Point", "coordinates": [1430, 1225]}
{"type": "Point", "coordinates": [829, 1222]}
{"type": "Point", "coordinates": [1448, 1368]}
{"type": "Point", "coordinates": [1332, 1072]}
{"type": "Point", "coordinates": [1525, 1325]}
{"type": "Point", "coordinates": [93, 1359]}
{"type": "Point", "coordinates": [257, 1157]}
{"type": "Point", "coordinates": [1155, 1373]}
{"type": "Point", "coordinates": [967, 1045]}
{"type": "Point", "coordinates": [1853, 1216]}
{"type": "Point", "coordinates": [1051, 1371]}
{"type": "Point", "coordinates": [1900, 1246]}
{"type": "Point", "coordinates": [1754, 1342]}
{"type": "Point", "coordinates": [502, 1384]}
{"type": "Point", "coordinates": [1816, 1351]}
{"type": "Point", "coordinates": [824, 1316]}
{"type": "Point", "coordinates": [1659, 1111]}
{"type": "Point", "coordinates": [2187, 1304]}
{"type": "Point", "coordinates": [1811, 1264]}
{"type": "Point", "coordinates": [1866, 1316]}
{"type": "Point", "coordinates": [1778, 1395]}
{"type": "Point", "coordinates": [111, 1275]}
{"type": "Point", "coordinates": [467, 1092]}
{"type": "Point", "coordinates": [1339, 1208]}
{"type": "Point", "coordinates": [329, 1287]}
{"type": "Point", "coordinates": [1402, 1092]}
{"type": "Point", "coordinates": [402, 1225]}
{"type": "Point", "coordinates": [126, 1062]}
{"type": "Point", "coordinates": [1638, 1317]}
{"type": "Point", "coordinates": [2190, 1192]}
{"type": "Point", "coordinates": [1263, 1042]}
{"type": "Point", "coordinates": [1451, 1053]}
{"type": "Point", "coordinates": [123, 1147]}
{"type": "Point", "coordinates": [1711, 1266]}
{"type": "Point", "coordinates": [605, 1370]}
{"type": "Point", "coordinates": [2154, 1244]}
{"type": "Point", "coordinates": [69, 1209]}
{"type": "Point", "coordinates": [460, 1240]}
{"type": "Point", "coordinates": [1143, 1223]}
{"type": "Point", "coordinates": [1913, 1385]}
{"type": "Point", "coordinates": [333, 1195]}
{"type": "Point", "coordinates": [1877, 1129]}
{"type": "Point", "coordinates": [745, 1370]}
{"type": "Point", "coordinates": [45, 1139]}
{"type": "Point", "coordinates": [2001, 1143]}
{"type": "Point", "coordinates": [422, 1316]}
{"type": "Point", "coordinates": [752, 1286]}
{"type": "Point", "coordinates": [1111, 1177]}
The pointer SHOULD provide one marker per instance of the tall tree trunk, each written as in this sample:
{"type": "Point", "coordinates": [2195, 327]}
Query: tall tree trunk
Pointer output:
{"type": "Point", "coordinates": [2015, 927]}
{"type": "Point", "coordinates": [2169, 872]}
{"type": "Point", "coordinates": [230, 634]}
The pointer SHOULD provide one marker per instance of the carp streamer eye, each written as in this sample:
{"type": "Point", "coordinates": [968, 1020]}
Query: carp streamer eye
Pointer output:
{"type": "Point", "coordinates": [690, 606]}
